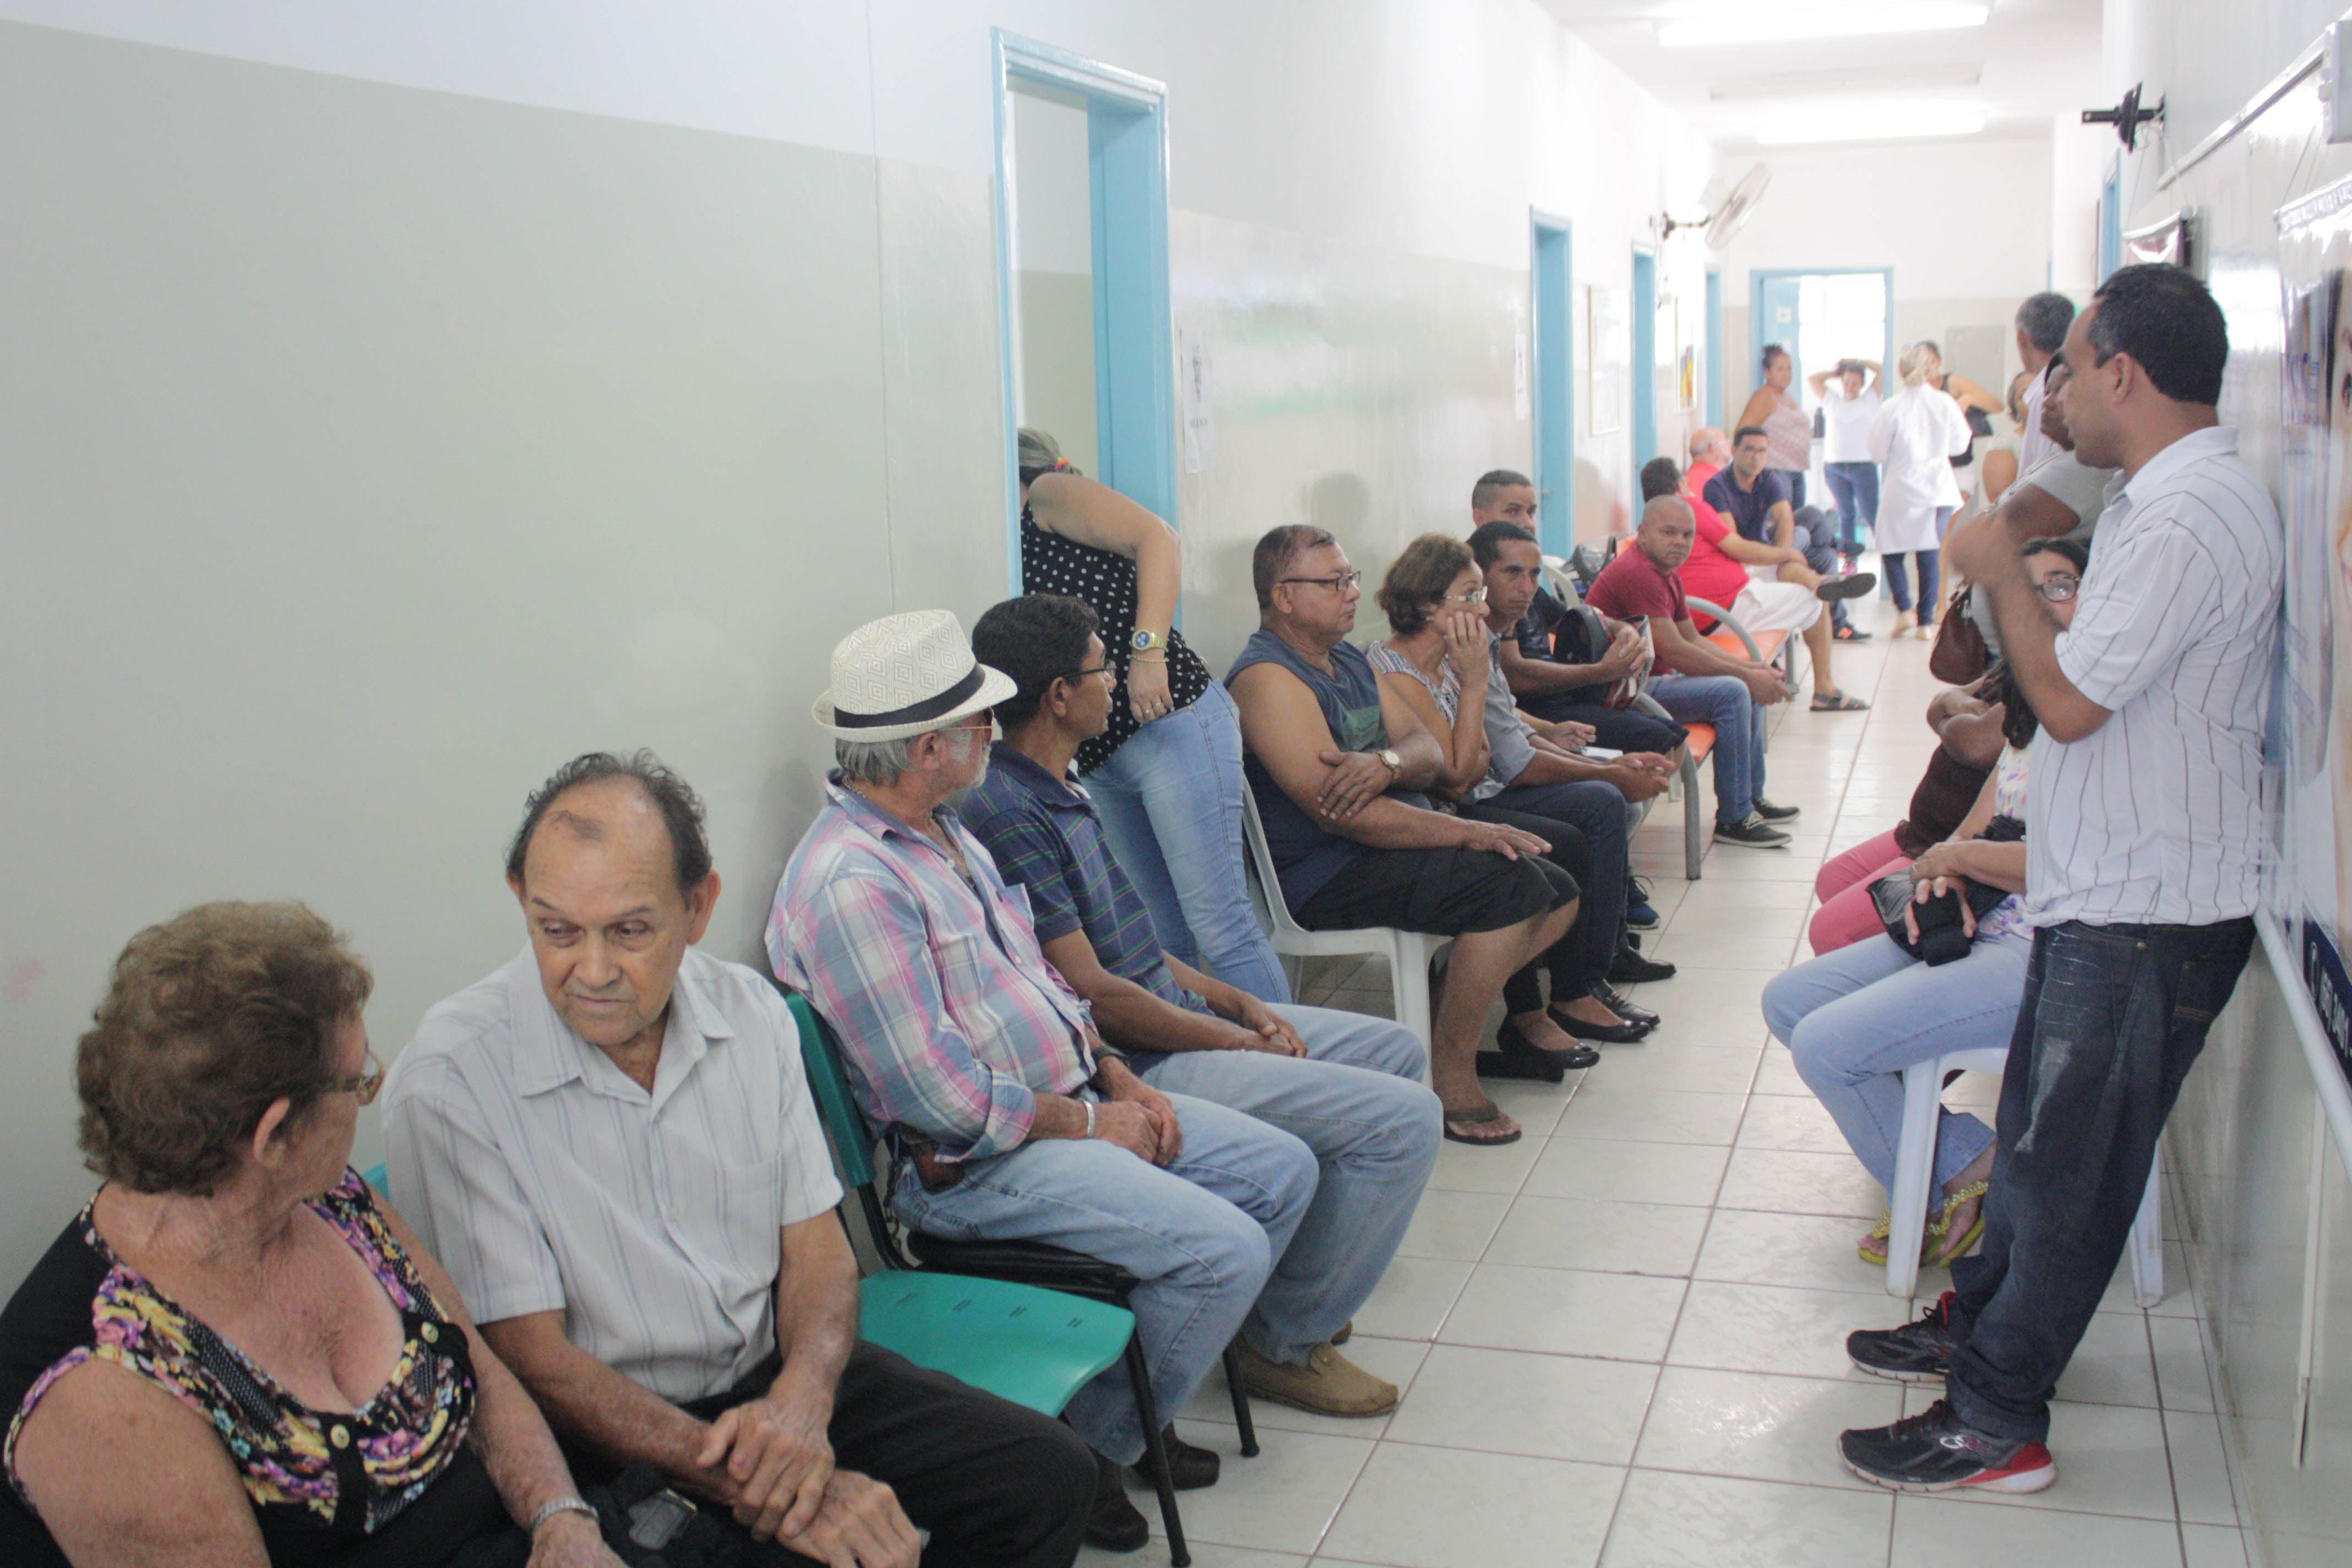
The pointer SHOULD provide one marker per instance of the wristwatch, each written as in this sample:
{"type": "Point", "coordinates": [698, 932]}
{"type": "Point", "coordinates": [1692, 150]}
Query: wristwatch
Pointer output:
{"type": "Point", "coordinates": [1395, 762]}
{"type": "Point", "coordinates": [1145, 641]}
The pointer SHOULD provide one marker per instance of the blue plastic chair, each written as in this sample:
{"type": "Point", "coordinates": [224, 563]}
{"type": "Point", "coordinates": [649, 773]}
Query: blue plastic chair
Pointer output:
{"type": "Point", "coordinates": [939, 1333]}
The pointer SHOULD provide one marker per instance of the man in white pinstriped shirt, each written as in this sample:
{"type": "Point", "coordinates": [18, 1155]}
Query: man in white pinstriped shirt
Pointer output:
{"type": "Point", "coordinates": [612, 1137]}
{"type": "Point", "coordinates": [2142, 824]}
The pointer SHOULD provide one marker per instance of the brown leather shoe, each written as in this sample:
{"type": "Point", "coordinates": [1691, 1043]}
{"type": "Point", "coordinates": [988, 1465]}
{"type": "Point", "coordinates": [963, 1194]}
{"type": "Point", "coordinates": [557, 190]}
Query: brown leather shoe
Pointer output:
{"type": "Point", "coordinates": [1329, 1385]}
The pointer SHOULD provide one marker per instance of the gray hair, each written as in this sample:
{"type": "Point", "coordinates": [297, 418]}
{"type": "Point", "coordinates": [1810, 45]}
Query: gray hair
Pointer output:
{"type": "Point", "coordinates": [874, 761]}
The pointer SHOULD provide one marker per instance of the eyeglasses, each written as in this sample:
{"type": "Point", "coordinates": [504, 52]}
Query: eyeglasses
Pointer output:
{"type": "Point", "coordinates": [1339, 584]}
{"type": "Point", "coordinates": [2059, 587]}
{"type": "Point", "coordinates": [1077, 675]}
{"type": "Point", "coordinates": [366, 1085]}
{"type": "Point", "coordinates": [1475, 596]}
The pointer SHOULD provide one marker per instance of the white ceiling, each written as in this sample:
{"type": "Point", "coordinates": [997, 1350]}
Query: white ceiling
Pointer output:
{"type": "Point", "coordinates": [2033, 60]}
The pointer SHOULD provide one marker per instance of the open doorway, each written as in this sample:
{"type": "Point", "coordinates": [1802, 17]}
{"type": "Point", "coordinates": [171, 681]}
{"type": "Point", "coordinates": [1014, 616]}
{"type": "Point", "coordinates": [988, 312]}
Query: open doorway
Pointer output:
{"type": "Point", "coordinates": [1820, 317]}
{"type": "Point", "coordinates": [1082, 237]}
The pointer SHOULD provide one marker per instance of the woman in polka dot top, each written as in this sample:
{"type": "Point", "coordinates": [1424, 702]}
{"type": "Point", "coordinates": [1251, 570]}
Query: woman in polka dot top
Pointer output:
{"type": "Point", "coordinates": [1167, 773]}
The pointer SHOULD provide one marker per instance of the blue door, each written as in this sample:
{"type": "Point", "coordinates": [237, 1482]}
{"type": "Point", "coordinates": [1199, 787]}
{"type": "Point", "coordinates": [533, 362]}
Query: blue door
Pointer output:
{"type": "Point", "coordinates": [1778, 325]}
{"type": "Point", "coordinates": [1646, 357]}
{"type": "Point", "coordinates": [1555, 403]}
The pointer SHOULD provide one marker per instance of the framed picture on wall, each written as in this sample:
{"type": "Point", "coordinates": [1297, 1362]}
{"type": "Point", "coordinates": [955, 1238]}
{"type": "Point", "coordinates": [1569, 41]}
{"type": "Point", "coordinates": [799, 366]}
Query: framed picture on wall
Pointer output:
{"type": "Point", "coordinates": [1609, 336]}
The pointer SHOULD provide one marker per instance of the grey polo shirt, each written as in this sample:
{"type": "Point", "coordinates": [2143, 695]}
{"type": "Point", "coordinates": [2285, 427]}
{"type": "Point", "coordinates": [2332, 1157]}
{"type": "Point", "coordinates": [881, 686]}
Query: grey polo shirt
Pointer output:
{"type": "Point", "coordinates": [545, 1179]}
{"type": "Point", "coordinates": [1508, 749]}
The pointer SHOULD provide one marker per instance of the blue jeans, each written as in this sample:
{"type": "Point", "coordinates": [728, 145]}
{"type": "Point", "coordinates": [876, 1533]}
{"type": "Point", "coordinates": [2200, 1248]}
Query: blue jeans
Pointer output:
{"type": "Point", "coordinates": [1358, 1102]}
{"type": "Point", "coordinates": [1723, 701]}
{"type": "Point", "coordinates": [1593, 849]}
{"type": "Point", "coordinates": [1811, 535]}
{"type": "Point", "coordinates": [1172, 803]}
{"type": "Point", "coordinates": [2114, 1018]}
{"type": "Point", "coordinates": [1854, 1016]}
{"type": "Point", "coordinates": [1898, 582]}
{"type": "Point", "coordinates": [1854, 487]}
{"type": "Point", "coordinates": [1201, 1234]}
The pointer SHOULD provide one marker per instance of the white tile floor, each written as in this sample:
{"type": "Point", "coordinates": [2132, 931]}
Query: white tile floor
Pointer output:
{"type": "Point", "coordinates": [1621, 1340]}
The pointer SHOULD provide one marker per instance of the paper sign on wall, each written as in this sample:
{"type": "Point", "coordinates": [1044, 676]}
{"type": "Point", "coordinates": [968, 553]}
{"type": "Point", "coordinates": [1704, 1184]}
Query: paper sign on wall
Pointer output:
{"type": "Point", "coordinates": [1200, 418]}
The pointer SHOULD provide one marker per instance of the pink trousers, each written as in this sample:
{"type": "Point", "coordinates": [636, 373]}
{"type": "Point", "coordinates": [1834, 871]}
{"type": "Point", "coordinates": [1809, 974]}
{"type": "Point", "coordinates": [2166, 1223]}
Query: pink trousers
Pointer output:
{"type": "Point", "coordinates": [1847, 914]}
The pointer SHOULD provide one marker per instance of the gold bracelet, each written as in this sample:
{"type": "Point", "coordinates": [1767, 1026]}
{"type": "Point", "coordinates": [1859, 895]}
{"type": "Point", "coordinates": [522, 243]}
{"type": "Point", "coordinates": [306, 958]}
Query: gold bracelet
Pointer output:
{"type": "Point", "coordinates": [1147, 658]}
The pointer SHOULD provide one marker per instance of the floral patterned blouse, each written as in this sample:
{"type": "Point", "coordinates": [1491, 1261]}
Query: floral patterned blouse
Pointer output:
{"type": "Point", "coordinates": [349, 1472]}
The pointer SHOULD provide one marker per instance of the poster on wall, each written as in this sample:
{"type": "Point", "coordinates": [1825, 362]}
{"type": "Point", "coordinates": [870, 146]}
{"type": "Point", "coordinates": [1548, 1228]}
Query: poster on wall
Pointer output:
{"type": "Point", "coordinates": [1609, 329]}
{"type": "Point", "coordinates": [2310, 890]}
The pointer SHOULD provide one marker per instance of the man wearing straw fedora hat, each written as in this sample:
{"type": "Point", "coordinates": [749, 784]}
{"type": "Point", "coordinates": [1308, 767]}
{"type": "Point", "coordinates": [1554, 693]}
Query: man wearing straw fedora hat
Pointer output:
{"type": "Point", "coordinates": [1013, 1120]}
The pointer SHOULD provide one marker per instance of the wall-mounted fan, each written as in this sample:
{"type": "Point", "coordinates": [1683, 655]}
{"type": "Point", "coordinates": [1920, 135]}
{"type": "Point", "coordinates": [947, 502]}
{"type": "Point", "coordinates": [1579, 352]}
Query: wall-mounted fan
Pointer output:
{"type": "Point", "coordinates": [1726, 208]}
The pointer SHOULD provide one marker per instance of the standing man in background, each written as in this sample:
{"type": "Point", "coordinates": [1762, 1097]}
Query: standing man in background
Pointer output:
{"type": "Point", "coordinates": [2042, 324]}
{"type": "Point", "coordinates": [2143, 831]}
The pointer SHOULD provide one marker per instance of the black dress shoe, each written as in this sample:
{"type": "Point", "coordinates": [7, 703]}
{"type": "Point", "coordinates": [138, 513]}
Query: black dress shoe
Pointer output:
{"type": "Point", "coordinates": [1630, 968]}
{"type": "Point", "coordinates": [1194, 1468]}
{"type": "Point", "coordinates": [1770, 813]}
{"type": "Point", "coordinates": [1512, 1043]}
{"type": "Point", "coordinates": [1607, 1034]}
{"type": "Point", "coordinates": [1113, 1524]}
{"type": "Point", "coordinates": [1607, 997]}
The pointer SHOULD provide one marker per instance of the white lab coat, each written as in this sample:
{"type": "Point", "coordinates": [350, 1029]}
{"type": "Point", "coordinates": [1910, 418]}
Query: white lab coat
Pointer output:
{"type": "Point", "coordinates": [1914, 439]}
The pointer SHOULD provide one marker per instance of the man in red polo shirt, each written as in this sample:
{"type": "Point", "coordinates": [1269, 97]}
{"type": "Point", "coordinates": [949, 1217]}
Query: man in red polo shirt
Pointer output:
{"type": "Point", "coordinates": [1694, 679]}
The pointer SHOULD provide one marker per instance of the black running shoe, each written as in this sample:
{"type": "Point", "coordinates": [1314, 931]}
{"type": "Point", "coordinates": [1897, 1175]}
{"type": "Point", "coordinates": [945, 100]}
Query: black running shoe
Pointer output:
{"type": "Point", "coordinates": [1936, 1451]}
{"type": "Point", "coordinates": [1913, 1354]}
{"type": "Point", "coordinates": [1639, 914]}
{"type": "Point", "coordinates": [1630, 968]}
{"type": "Point", "coordinates": [1853, 586]}
{"type": "Point", "coordinates": [1754, 833]}
{"type": "Point", "coordinates": [1770, 813]}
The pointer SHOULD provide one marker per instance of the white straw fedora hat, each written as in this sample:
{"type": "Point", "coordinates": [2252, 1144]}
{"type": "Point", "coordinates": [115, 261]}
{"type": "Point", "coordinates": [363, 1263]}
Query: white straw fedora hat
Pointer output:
{"type": "Point", "coordinates": [906, 675]}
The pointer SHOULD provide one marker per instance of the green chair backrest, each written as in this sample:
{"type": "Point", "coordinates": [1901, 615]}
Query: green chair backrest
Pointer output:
{"type": "Point", "coordinates": [844, 1124]}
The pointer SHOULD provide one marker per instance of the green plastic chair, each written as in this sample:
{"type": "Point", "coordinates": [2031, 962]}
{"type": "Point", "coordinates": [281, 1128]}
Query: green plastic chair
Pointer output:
{"type": "Point", "coordinates": [946, 1337]}
{"type": "Point", "coordinates": [376, 1178]}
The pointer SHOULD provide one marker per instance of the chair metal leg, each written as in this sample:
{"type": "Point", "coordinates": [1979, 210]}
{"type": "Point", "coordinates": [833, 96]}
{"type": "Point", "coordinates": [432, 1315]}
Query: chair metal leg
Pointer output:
{"type": "Point", "coordinates": [1139, 1371]}
{"type": "Point", "coordinates": [1693, 843]}
{"type": "Point", "coordinates": [1240, 1404]}
{"type": "Point", "coordinates": [2147, 1246]}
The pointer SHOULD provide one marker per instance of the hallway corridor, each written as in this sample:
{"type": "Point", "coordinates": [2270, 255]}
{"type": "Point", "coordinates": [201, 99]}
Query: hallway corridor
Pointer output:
{"type": "Point", "coordinates": [1621, 1340]}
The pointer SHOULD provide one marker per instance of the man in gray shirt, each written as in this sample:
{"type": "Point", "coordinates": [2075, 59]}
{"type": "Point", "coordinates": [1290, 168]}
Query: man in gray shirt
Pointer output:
{"type": "Point", "coordinates": [611, 1141]}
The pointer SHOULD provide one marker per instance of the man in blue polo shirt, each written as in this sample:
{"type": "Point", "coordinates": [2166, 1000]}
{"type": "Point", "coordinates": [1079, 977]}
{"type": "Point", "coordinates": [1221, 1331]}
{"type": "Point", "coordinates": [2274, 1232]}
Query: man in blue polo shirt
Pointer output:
{"type": "Point", "coordinates": [1347, 1085]}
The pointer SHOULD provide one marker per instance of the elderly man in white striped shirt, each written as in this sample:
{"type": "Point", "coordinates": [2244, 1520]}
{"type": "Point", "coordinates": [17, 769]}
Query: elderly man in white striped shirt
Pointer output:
{"type": "Point", "coordinates": [2141, 872]}
{"type": "Point", "coordinates": [611, 1141]}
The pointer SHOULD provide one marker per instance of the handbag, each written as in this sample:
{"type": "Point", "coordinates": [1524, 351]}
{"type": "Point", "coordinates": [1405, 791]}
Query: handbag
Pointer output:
{"type": "Point", "coordinates": [1942, 937]}
{"type": "Point", "coordinates": [1959, 656]}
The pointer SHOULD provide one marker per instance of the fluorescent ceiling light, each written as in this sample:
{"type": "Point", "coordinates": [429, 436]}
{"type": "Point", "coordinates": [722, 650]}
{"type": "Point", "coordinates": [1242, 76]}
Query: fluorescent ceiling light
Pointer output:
{"type": "Point", "coordinates": [1891, 127]}
{"type": "Point", "coordinates": [1755, 23]}
{"type": "Point", "coordinates": [1841, 83]}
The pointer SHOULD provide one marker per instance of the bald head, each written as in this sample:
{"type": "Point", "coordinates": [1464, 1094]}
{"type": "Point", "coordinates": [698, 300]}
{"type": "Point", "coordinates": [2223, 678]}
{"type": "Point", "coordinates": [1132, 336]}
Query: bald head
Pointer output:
{"type": "Point", "coordinates": [1709, 445]}
{"type": "Point", "coordinates": [1668, 528]}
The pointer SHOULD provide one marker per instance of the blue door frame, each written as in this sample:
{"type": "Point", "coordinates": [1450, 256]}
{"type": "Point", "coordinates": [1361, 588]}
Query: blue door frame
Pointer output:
{"type": "Point", "coordinates": [1758, 328]}
{"type": "Point", "coordinates": [1135, 353]}
{"type": "Point", "coordinates": [2111, 219]}
{"type": "Point", "coordinates": [1551, 272]}
{"type": "Point", "coordinates": [1714, 352]}
{"type": "Point", "coordinates": [1645, 356]}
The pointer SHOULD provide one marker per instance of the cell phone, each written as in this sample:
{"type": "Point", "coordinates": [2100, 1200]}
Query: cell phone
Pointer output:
{"type": "Point", "coordinates": [654, 1522]}
{"type": "Point", "coordinates": [1600, 753]}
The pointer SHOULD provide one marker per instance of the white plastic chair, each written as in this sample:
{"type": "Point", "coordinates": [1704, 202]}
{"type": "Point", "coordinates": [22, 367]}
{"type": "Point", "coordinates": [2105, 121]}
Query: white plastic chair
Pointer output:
{"type": "Point", "coordinates": [1409, 953]}
{"type": "Point", "coordinates": [1914, 1172]}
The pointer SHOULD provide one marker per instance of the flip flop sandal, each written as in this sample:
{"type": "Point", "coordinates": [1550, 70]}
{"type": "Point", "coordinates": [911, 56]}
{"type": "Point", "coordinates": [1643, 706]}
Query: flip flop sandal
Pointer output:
{"type": "Point", "coordinates": [1843, 702]}
{"type": "Point", "coordinates": [1479, 1116]}
{"type": "Point", "coordinates": [1877, 1233]}
{"type": "Point", "coordinates": [1943, 1224]}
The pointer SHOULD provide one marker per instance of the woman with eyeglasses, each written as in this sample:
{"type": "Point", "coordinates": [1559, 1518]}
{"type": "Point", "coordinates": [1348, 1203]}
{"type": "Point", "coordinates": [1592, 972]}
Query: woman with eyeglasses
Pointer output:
{"type": "Point", "coordinates": [238, 1354]}
{"type": "Point", "coordinates": [1167, 773]}
{"type": "Point", "coordinates": [1436, 659]}
{"type": "Point", "coordinates": [1853, 1019]}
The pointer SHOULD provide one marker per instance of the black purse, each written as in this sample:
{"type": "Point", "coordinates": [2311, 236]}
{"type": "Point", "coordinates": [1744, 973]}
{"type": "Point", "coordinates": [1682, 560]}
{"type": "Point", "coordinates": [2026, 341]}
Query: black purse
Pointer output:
{"type": "Point", "coordinates": [1943, 939]}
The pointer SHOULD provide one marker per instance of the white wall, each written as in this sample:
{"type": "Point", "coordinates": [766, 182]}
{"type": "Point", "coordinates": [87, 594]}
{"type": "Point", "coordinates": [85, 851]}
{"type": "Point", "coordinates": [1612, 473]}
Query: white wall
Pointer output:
{"type": "Point", "coordinates": [402, 400]}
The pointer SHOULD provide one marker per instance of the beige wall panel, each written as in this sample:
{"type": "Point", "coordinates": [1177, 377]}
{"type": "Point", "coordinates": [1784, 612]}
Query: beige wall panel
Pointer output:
{"type": "Point", "coordinates": [370, 452]}
{"type": "Point", "coordinates": [1360, 391]}
{"type": "Point", "coordinates": [945, 390]}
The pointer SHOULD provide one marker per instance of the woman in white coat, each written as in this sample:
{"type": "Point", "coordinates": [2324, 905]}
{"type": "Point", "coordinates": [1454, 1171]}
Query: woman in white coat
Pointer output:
{"type": "Point", "coordinates": [1914, 439]}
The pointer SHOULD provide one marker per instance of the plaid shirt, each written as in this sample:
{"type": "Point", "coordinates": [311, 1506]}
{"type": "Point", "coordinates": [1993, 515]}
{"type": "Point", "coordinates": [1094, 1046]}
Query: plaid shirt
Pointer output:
{"type": "Point", "coordinates": [951, 1021]}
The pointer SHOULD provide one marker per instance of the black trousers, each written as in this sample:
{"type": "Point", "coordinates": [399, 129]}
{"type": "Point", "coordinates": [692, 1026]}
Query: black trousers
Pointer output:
{"type": "Point", "coordinates": [996, 1485]}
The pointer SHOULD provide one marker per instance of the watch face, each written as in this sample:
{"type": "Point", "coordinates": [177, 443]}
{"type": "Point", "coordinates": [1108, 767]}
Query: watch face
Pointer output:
{"type": "Point", "coordinates": [1144, 641]}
